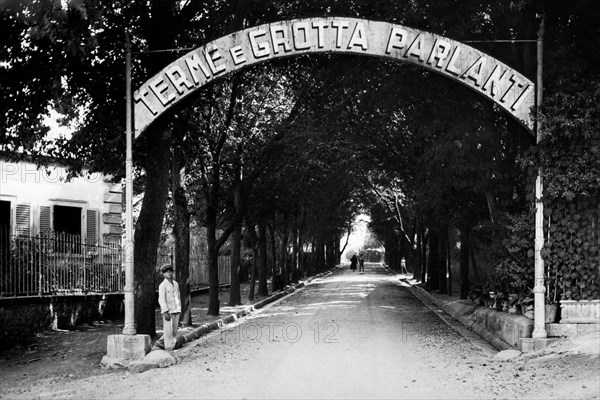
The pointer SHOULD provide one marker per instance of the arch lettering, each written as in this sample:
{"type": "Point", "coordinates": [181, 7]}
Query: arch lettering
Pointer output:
{"type": "Point", "coordinates": [486, 75]}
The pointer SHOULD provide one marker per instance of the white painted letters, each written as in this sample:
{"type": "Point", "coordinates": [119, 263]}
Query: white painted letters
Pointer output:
{"type": "Point", "coordinates": [237, 55]}
{"type": "Point", "coordinates": [439, 53]}
{"type": "Point", "coordinates": [178, 79]}
{"type": "Point", "coordinates": [300, 34]}
{"type": "Point", "coordinates": [212, 55]}
{"type": "Point", "coordinates": [159, 87]}
{"type": "Point", "coordinates": [277, 41]}
{"type": "Point", "coordinates": [452, 67]}
{"type": "Point", "coordinates": [359, 37]}
{"type": "Point", "coordinates": [474, 71]}
{"type": "Point", "coordinates": [141, 95]}
{"type": "Point", "coordinates": [397, 40]}
{"type": "Point", "coordinates": [493, 81]}
{"type": "Point", "coordinates": [339, 28]}
{"type": "Point", "coordinates": [194, 64]}
{"type": "Point", "coordinates": [259, 49]}
{"type": "Point", "coordinates": [320, 26]}
{"type": "Point", "coordinates": [415, 49]}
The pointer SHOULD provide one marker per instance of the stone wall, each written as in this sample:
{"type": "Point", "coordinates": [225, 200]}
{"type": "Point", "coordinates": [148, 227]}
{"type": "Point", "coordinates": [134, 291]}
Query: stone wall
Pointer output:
{"type": "Point", "coordinates": [510, 328]}
{"type": "Point", "coordinates": [22, 318]}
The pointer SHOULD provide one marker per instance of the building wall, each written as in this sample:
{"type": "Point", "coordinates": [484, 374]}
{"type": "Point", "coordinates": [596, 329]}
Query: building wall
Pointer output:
{"type": "Point", "coordinates": [34, 193]}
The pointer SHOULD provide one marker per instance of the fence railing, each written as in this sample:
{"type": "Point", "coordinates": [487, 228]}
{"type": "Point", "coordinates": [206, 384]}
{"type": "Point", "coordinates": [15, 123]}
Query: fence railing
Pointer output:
{"type": "Point", "coordinates": [57, 263]}
{"type": "Point", "coordinates": [198, 269]}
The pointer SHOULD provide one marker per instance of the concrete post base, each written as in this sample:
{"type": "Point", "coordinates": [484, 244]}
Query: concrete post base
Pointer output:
{"type": "Point", "coordinates": [123, 349]}
{"type": "Point", "coordinates": [532, 344]}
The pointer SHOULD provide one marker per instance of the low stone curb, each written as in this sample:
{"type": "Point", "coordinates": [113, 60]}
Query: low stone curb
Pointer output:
{"type": "Point", "coordinates": [462, 316]}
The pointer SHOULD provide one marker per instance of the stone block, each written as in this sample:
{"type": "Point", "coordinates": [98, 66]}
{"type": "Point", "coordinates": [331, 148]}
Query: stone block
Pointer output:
{"type": "Point", "coordinates": [139, 366]}
{"type": "Point", "coordinates": [571, 330]}
{"type": "Point", "coordinates": [526, 345]}
{"type": "Point", "coordinates": [531, 344]}
{"type": "Point", "coordinates": [543, 343]}
{"type": "Point", "coordinates": [112, 198]}
{"type": "Point", "coordinates": [115, 229]}
{"type": "Point", "coordinates": [561, 330]}
{"type": "Point", "coordinates": [111, 219]}
{"type": "Point", "coordinates": [580, 312]}
{"type": "Point", "coordinates": [506, 355]}
{"type": "Point", "coordinates": [127, 348]}
{"type": "Point", "coordinates": [111, 363]}
{"type": "Point", "coordinates": [161, 358]}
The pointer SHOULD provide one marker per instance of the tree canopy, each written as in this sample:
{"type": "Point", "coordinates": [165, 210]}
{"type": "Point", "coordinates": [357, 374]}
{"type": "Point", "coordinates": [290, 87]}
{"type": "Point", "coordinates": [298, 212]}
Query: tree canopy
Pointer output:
{"type": "Point", "coordinates": [307, 143]}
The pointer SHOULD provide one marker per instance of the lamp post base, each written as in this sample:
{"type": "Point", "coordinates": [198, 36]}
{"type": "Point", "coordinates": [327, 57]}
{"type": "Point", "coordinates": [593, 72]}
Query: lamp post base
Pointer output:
{"type": "Point", "coordinates": [123, 349]}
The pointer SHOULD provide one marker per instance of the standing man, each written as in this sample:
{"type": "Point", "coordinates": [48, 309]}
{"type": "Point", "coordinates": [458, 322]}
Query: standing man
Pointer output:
{"type": "Point", "coordinates": [361, 262]}
{"type": "Point", "coordinates": [170, 307]}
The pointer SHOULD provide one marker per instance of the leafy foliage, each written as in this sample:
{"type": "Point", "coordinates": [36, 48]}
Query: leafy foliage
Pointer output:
{"type": "Point", "coordinates": [571, 252]}
{"type": "Point", "coordinates": [505, 253]}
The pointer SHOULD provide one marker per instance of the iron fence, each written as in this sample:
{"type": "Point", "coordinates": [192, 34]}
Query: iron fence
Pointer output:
{"type": "Point", "coordinates": [198, 269]}
{"type": "Point", "coordinates": [57, 263]}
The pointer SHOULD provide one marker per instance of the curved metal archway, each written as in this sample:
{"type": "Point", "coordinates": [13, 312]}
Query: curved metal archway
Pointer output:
{"type": "Point", "coordinates": [484, 74]}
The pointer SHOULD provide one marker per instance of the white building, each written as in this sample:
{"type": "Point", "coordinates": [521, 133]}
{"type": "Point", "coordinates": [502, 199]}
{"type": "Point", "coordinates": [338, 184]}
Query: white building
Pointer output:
{"type": "Point", "coordinates": [34, 200]}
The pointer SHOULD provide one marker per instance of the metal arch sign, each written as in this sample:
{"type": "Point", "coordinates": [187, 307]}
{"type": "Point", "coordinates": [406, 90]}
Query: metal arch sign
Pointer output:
{"type": "Point", "coordinates": [484, 74]}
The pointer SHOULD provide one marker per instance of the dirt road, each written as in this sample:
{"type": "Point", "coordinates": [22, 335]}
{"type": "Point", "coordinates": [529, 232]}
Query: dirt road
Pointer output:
{"type": "Point", "coordinates": [348, 335]}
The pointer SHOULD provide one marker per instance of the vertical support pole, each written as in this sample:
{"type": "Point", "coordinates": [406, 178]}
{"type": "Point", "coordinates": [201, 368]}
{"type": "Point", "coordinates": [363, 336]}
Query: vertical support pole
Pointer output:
{"type": "Point", "coordinates": [82, 251]}
{"type": "Point", "coordinates": [129, 326]}
{"type": "Point", "coordinates": [539, 289]}
{"type": "Point", "coordinates": [40, 255]}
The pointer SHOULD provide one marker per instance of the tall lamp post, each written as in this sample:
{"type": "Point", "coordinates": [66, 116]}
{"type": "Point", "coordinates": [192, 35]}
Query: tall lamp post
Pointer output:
{"type": "Point", "coordinates": [129, 326]}
{"type": "Point", "coordinates": [123, 349]}
{"type": "Point", "coordinates": [539, 289]}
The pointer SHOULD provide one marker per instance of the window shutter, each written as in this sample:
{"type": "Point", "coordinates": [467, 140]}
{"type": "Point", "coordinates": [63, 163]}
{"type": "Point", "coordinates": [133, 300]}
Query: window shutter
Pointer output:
{"type": "Point", "coordinates": [23, 219]}
{"type": "Point", "coordinates": [45, 219]}
{"type": "Point", "coordinates": [92, 227]}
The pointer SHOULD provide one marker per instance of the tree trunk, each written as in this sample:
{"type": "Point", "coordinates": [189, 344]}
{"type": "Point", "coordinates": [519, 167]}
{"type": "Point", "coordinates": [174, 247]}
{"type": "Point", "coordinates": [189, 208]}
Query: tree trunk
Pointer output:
{"type": "Point", "coordinates": [418, 262]}
{"type": "Point", "coordinates": [394, 261]}
{"type": "Point", "coordinates": [213, 257]}
{"type": "Point", "coordinates": [448, 264]}
{"type": "Point", "coordinates": [295, 250]}
{"type": "Point", "coordinates": [320, 258]}
{"type": "Point", "coordinates": [181, 232]}
{"type": "Point", "coordinates": [254, 272]}
{"type": "Point", "coordinates": [149, 227]}
{"type": "Point", "coordinates": [285, 273]}
{"type": "Point", "coordinates": [337, 253]}
{"type": "Point", "coordinates": [345, 244]}
{"type": "Point", "coordinates": [274, 270]}
{"type": "Point", "coordinates": [301, 255]}
{"type": "Point", "coordinates": [434, 259]}
{"type": "Point", "coordinates": [253, 275]}
{"type": "Point", "coordinates": [235, 296]}
{"type": "Point", "coordinates": [263, 289]}
{"type": "Point", "coordinates": [474, 267]}
{"type": "Point", "coordinates": [424, 245]}
{"type": "Point", "coordinates": [465, 245]}
{"type": "Point", "coordinates": [442, 270]}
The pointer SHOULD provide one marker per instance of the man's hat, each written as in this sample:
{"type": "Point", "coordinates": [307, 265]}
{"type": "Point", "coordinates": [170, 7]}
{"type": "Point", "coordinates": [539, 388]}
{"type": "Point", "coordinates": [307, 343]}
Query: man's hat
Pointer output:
{"type": "Point", "coordinates": [166, 268]}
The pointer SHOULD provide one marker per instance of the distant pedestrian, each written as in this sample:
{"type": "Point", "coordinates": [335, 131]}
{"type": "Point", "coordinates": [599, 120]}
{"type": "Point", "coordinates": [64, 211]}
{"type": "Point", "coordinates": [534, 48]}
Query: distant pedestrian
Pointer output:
{"type": "Point", "coordinates": [361, 262]}
{"type": "Point", "coordinates": [170, 307]}
{"type": "Point", "coordinates": [353, 261]}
